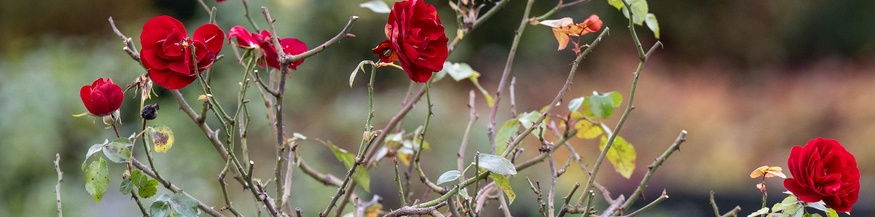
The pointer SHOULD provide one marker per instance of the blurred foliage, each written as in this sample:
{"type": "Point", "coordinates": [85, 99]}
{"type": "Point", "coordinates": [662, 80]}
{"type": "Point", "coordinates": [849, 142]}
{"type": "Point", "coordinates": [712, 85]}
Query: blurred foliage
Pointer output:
{"type": "Point", "coordinates": [748, 79]}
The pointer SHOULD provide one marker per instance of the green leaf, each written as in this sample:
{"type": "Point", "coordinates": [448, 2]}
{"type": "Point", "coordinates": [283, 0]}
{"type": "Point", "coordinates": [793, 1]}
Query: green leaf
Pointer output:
{"type": "Point", "coordinates": [496, 164]}
{"type": "Point", "coordinates": [93, 149]}
{"type": "Point", "coordinates": [763, 211]}
{"type": "Point", "coordinates": [138, 178]}
{"type": "Point", "coordinates": [818, 205]}
{"type": "Point", "coordinates": [183, 205]}
{"type": "Point", "coordinates": [506, 132]}
{"type": "Point", "coordinates": [528, 119]}
{"type": "Point", "coordinates": [448, 176]}
{"type": "Point", "coordinates": [126, 187]}
{"type": "Point", "coordinates": [361, 175]}
{"type": "Point", "coordinates": [651, 22]}
{"type": "Point", "coordinates": [160, 137]}
{"type": "Point", "coordinates": [459, 71]}
{"type": "Point", "coordinates": [587, 130]}
{"type": "Point", "coordinates": [118, 150]}
{"type": "Point", "coordinates": [622, 155]}
{"type": "Point", "coordinates": [504, 184]}
{"type": "Point", "coordinates": [161, 207]}
{"type": "Point", "coordinates": [489, 100]}
{"type": "Point", "coordinates": [603, 104]}
{"type": "Point", "coordinates": [97, 179]}
{"type": "Point", "coordinates": [616, 3]}
{"type": "Point", "coordinates": [148, 189]}
{"type": "Point", "coordinates": [639, 10]}
{"type": "Point", "coordinates": [831, 213]}
{"type": "Point", "coordinates": [377, 6]}
{"type": "Point", "coordinates": [575, 104]}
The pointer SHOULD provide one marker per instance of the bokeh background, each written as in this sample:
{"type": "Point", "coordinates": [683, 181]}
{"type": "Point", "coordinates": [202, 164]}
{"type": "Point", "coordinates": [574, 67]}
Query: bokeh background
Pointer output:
{"type": "Point", "coordinates": [748, 79]}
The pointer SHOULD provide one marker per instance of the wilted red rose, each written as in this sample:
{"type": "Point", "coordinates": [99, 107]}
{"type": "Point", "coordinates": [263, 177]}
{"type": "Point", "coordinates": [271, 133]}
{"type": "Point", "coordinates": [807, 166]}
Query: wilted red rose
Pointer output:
{"type": "Point", "coordinates": [167, 51]}
{"type": "Point", "coordinates": [102, 97]}
{"type": "Point", "coordinates": [824, 170]}
{"type": "Point", "coordinates": [263, 45]}
{"type": "Point", "coordinates": [416, 39]}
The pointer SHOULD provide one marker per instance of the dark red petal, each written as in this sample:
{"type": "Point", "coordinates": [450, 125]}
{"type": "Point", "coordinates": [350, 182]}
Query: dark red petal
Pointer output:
{"type": "Point", "coordinates": [170, 79]}
{"type": "Point", "coordinates": [244, 38]}
{"type": "Point", "coordinates": [211, 35]}
{"type": "Point", "coordinates": [85, 94]}
{"type": "Point", "coordinates": [113, 94]}
{"type": "Point", "coordinates": [158, 28]}
{"type": "Point", "coordinates": [293, 46]}
{"type": "Point", "coordinates": [801, 192]}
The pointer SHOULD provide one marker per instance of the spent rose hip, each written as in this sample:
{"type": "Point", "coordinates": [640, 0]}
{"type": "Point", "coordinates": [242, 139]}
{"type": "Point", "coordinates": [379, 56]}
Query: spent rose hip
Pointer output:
{"type": "Point", "coordinates": [824, 170]}
{"type": "Point", "coordinates": [102, 97]}
{"type": "Point", "coordinates": [167, 51]}
{"type": "Point", "coordinates": [262, 44]}
{"type": "Point", "coordinates": [416, 40]}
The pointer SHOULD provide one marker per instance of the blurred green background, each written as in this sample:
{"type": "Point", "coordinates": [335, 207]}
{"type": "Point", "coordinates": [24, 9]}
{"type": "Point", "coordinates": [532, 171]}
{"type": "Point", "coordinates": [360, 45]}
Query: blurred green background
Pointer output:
{"type": "Point", "coordinates": [748, 79]}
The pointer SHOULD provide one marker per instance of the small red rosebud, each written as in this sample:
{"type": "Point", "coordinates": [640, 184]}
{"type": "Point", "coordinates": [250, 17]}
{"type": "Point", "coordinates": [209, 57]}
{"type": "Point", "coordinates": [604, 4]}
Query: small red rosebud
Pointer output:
{"type": "Point", "coordinates": [102, 97]}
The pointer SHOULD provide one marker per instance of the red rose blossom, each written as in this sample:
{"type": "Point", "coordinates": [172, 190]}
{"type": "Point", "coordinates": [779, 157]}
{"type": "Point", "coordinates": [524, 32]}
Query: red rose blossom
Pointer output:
{"type": "Point", "coordinates": [416, 39]}
{"type": "Point", "coordinates": [102, 97]}
{"type": "Point", "coordinates": [824, 170]}
{"type": "Point", "coordinates": [167, 50]}
{"type": "Point", "coordinates": [263, 45]}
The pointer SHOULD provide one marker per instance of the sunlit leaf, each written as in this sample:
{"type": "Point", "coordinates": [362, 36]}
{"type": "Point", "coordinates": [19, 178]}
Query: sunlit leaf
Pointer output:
{"type": "Point", "coordinates": [160, 137]}
{"type": "Point", "coordinates": [97, 179]}
{"type": "Point", "coordinates": [118, 150]}
{"type": "Point", "coordinates": [575, 104]}
{"type": "Point", "coordinates": [93, 149]}
{"type": "Point", "coordinates": [621, 155]}
{"type": "Point", "coordinates": [448, 176]}
{"type": "Point", "coordinates": [506, 132]}
{"type": "Point", "coordinates": [496, 164]}
{"type": "Point", "coordinates": [651, 22]}
{"type": "Point", "coordinates": [504, 184]}
{"type": "Point", "coordinates": [639, 10]}
{"type": "Point", "coordinates": [616, 3]}
{"type": "Point", "coordinates": [587, 130]}
{"type": "Point", "coordinates": [831, 213]}
{"type": "Point", "coordinates": [377, 6]}
{"type": "Point", "coordinates": [459, 71]}
{"type": "Point", "coordinates": [183, 205]}
{"type": "Point", "coordinates": [763, 211]}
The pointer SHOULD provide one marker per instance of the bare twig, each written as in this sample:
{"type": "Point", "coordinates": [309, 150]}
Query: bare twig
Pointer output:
{"type": "Point", "coordinates": [618, 203]}
{"type": "Point", "coordinates": [407, 211]}
{"type": "Point", "coordinates": [170, 186]}
{"type": "Point", "coordinates": [504, 75]}
{"type": "Point", "coordinates": [460, 156]}
{"type": "Point", "coordinates": [558, 6]}
{"type": "Point", "coordinates": [652, 168]}
{"type": "Point", "coordinates": [650, 205]}
{"type": "Point", "coordinates": [58, 184]}
{"type": "Point", "coordinates": [129, 43]}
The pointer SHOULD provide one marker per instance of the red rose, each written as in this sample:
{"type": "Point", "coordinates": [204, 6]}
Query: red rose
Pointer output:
{"type": "Point", "coordinates": [102, 97]}
{"type": "Point", "coordinates": [416, 39]}
{"type": "Point", "coordinates": [824, 170]}
{"type": "Point", "coordinates": [263, 45]}
{"type": "Point", "coordinates": [167, 50]}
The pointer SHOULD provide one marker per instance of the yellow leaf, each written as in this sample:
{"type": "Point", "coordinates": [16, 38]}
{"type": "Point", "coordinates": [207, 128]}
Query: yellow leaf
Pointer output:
{"type": "Point", "coordinates": [561, 37]}
{"type": "Point", "coordinates": [373, 211]}
{"type": "Point", "coordinates": [587, 130]}
{"type": "Point", "coordinates": [160, 136]}
{"type": "Point", "coordinates": [576, 115]}
{"type": "Point", "coordinates": [405, 158]}
{"type": "Point", "coordinates": [80, 114]}
{"type": "Point", "coordinates": [622, 155]}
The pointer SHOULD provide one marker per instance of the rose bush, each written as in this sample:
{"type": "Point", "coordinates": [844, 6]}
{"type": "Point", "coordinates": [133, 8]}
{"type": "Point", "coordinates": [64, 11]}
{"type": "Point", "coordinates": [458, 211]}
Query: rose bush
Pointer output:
{"type": "Point", "coordinates": [167, 52]}
{"type": "Point", "coordinates": [416, 40]}
{"type": "Point", "coordinates": [824, 170]}
{"type": "Point", "coordinates": [262, 44]}
{"type": "Point", "coordinates": [102, 97]}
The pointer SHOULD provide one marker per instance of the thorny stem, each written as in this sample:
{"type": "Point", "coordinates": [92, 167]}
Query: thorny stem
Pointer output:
{"type": "Point", "coordinates": [507, 67]}
{"type": "Point", "coordinates": [513, 145]}
{"type": "Point", "coordinates": [460, 156]}
{"type": "Point", "coordinates": [398, 181]}
{"type": "Point", "coordinates": [650, 205]}
{"type": "Point", "coordinates": [682, 137]}
{"type": "Point", "coordinates": [622, 121]}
